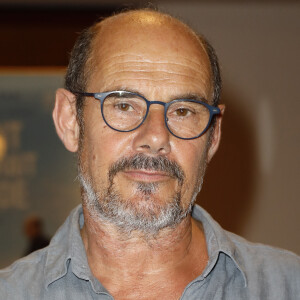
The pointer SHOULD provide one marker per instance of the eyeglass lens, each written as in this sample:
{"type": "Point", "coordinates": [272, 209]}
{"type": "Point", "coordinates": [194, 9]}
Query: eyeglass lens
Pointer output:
{"type": "Point", "coordinates": [126, 112]}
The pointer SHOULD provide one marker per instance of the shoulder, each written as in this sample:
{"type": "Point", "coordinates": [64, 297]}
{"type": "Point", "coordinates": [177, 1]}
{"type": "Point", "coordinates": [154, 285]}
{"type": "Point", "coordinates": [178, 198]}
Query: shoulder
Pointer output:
{"type": "Point", "coordinates": [23, 276]}
{"type": "Point", "coordinates": [268, 272]}
{"type": "Point", "coordinates": [261, 253]}
{"type": "Point", "coordinates": [29, 277]}
{"type": "Point", "coordinates": [266, 265]}
{"type": "Point", "coordinates": [251, 256]}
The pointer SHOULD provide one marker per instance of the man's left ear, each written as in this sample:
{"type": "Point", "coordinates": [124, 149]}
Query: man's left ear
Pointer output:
{"type": "Point", "coordinates": [65, 119]}
{"type": "Point", "coordinates": [216, 134]}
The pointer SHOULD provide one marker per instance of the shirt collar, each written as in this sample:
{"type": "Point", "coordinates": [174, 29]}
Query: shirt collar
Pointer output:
{"type": "Point", "coordinates": [66, 247]}
{"type": "Point", "coordinates": [218, 240]}
{"type": "Point", "coordinates": [66, 250]}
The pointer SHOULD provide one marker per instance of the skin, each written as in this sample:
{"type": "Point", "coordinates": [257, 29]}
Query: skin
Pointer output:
{"type": "Point", "coordinates": [160, 58]}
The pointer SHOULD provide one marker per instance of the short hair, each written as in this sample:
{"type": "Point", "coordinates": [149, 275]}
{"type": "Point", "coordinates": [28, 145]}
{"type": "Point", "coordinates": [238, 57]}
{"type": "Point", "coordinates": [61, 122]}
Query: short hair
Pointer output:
{"type": "Point", "coordinates": [77, 74]}
{"type": "Point", "coordinates": [79, 68]}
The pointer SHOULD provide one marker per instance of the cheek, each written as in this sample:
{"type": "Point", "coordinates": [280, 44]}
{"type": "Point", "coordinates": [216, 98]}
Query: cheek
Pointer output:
{"type": "Point", "coordinates": [191, 156]}
{"type": "Point", "coordinates": [102, 147]}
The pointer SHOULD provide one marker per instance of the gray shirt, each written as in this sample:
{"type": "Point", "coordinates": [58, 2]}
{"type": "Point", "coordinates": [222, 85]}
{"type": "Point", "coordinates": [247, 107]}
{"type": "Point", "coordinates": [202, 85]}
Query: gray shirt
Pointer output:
{"type": "Point", "coordinates": [237, 269]}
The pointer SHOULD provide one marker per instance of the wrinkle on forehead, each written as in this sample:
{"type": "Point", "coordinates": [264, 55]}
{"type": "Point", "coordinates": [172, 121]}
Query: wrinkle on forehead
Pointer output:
{"type": "Point", "coordinates": [178, 65]}
{"type": "Point", "coordinates": [151, 78]}
{"type": "Point", "coordinates": [139, 60]}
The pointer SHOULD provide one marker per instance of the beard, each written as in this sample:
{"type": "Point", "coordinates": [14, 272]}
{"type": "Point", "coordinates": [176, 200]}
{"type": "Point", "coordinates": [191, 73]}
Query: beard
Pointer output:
{"type": "Point", "coordinates": [144, 213]}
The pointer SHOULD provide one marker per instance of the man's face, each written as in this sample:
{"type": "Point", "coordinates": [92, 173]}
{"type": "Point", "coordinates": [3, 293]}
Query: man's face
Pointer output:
{"type": "Point", "coordinates": [145, 179]}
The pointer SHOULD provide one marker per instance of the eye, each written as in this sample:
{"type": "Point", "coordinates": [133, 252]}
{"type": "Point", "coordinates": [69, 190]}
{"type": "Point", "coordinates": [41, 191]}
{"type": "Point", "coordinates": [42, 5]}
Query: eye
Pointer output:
{"type": "Point", "coordinates": [182, 112]}
{"type": "Point", "coordinates": [123, 106]}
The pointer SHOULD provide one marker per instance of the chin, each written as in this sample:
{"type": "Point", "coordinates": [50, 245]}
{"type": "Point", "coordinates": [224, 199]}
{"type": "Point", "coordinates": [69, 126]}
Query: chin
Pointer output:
{"type": "Point", "coordinates": [144, 212]}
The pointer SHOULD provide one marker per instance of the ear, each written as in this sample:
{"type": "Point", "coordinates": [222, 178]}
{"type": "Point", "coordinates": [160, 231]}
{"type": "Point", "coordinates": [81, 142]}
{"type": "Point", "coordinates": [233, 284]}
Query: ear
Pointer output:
{"type": "Point", "coordinates": [65, 119]}
{"type": "Point", "coordinates": [216, 134]}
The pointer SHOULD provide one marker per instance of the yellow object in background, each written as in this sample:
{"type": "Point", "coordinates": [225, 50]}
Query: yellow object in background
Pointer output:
{"type": "Point", "coordinates": [3, 147]}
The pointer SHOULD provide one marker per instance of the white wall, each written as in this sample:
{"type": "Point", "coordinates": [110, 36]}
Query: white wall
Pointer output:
{"type": "Point", "coordinates": [252, 186]}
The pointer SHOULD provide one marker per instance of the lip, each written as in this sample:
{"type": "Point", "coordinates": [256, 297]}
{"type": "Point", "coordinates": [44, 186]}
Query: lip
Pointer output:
{"type": "Point", "coordinates": [146, 175]}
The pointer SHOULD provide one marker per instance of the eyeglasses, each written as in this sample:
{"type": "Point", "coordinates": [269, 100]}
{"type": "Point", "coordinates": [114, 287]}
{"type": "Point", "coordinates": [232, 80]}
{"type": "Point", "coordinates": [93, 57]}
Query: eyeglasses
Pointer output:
{"type": "Point", "coordinates": [126, 111]}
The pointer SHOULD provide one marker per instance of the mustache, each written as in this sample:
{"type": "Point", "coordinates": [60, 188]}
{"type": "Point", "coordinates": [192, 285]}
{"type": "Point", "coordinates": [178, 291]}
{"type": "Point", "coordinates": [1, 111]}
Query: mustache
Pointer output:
{"type": "Point", "coordinates": [142, 161]}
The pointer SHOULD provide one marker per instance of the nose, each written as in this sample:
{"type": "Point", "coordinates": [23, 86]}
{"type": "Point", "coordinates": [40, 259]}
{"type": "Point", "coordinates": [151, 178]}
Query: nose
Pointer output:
{"type": "Point", "coordinates": [153, 136]}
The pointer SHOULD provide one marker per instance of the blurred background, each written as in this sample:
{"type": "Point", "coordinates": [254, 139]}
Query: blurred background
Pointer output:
{"type": "Point", "coordinates": [252, 185]}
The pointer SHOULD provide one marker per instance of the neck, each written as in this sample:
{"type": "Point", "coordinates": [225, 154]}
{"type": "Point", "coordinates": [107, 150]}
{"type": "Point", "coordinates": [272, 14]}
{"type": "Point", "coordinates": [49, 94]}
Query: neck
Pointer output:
{"type": "Point", "coordinates": [173, 251]}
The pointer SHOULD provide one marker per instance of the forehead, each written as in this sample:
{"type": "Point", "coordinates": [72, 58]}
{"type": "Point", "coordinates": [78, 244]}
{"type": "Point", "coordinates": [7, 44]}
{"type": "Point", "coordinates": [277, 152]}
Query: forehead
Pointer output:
{"type": "Point", "coordinates": [148, 50]}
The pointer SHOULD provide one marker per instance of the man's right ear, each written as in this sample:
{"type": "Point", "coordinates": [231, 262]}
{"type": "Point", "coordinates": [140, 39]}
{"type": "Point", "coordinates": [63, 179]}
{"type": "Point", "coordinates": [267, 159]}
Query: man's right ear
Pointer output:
{"type": "Point", "coordinates": [65, 119]}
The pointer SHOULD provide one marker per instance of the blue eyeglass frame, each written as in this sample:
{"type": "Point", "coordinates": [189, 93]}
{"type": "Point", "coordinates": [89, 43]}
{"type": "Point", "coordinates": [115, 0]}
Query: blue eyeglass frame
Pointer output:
{"type": "Point", "coordinates": [213, 110]}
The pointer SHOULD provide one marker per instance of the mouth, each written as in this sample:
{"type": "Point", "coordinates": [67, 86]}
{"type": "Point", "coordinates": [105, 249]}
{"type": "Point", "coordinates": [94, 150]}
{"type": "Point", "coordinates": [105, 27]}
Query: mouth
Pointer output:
{"type": "Point", "coordinates": [146, 175]}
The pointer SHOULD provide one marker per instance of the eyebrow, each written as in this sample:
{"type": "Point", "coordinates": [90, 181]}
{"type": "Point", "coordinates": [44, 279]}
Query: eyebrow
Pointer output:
{"type": "Point", "coordinates": [187, 96]}
{"type": "Point", "coordinates": [191, 96]}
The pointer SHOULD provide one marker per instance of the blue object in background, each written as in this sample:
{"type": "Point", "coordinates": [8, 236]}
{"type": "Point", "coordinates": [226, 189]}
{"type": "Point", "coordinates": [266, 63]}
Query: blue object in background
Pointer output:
{"type": "Point", "coordinates": [37, 174]}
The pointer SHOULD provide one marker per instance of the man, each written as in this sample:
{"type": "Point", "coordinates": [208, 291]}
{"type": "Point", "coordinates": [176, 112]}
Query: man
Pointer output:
{"type": "Point", "coordinates": [34, 232]}
{"type": "Point", "coordinates": [141, 109]}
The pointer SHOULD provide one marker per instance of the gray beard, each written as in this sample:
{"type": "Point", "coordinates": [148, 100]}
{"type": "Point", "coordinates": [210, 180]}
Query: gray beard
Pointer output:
{"type": "Point", "coordinates": [109, 206]}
